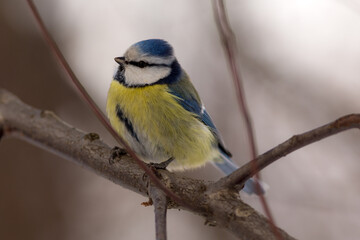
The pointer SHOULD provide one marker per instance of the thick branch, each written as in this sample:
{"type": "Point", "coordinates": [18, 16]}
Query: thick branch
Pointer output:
{"type": "Point", "coordinates": [44, 128]}
{"type": "Point", "coordinates": [298, 141]}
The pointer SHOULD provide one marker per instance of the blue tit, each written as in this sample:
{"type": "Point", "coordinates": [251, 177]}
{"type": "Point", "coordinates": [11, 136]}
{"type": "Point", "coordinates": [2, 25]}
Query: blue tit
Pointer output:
{"type": "Point", "coordinates": [154, 106]}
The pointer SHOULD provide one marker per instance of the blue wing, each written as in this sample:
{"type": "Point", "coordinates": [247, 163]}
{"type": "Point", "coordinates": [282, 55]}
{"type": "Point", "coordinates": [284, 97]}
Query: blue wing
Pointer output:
{"type": "Point", "coordinates": [189, 99]}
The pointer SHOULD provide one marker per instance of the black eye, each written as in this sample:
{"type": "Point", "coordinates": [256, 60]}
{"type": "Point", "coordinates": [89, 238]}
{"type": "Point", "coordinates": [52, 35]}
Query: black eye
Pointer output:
{"type": "Point", "coordinates": [142, 64]}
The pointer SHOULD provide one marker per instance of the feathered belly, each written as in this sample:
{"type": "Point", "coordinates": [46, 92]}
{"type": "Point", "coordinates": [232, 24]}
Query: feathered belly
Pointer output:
{"type": "Point", "coordinates": [157, 127]}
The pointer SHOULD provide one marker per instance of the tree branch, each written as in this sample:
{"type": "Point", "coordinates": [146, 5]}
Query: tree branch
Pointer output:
{"type": "Point", "coordinates": [297, 141]}
{"type": "Point", "coordinates": [98, 113]}
{"type": "Point", "coordinates": [43, 128]}
{"type": "Point", "coordinates": [228, 40]}
{"type": "Point", "coordinates": [159, 201]}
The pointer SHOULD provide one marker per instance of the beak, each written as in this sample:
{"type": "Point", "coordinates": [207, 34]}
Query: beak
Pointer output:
{"type": "Point", "coordinates": [120, 60]}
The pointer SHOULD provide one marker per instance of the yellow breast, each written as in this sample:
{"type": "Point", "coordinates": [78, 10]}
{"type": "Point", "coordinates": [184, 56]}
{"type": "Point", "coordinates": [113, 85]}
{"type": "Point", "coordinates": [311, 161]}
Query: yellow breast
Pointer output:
{"type": "Point", "coordinates": [164, 128]}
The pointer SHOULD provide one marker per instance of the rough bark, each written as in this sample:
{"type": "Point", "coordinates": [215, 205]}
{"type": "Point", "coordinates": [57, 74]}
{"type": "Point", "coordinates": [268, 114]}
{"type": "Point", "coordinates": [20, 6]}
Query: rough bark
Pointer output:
{"type": "Point", "coordinates": [222, 208]}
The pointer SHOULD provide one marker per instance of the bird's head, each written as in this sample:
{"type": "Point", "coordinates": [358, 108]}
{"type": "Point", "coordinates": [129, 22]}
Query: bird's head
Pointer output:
{"type": "Point", "coordinates": [148, 62]}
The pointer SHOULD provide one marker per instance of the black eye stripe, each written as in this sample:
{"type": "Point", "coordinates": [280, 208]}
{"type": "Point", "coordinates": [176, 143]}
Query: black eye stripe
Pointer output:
{"type": "Point", "coordinates": [143, 64]}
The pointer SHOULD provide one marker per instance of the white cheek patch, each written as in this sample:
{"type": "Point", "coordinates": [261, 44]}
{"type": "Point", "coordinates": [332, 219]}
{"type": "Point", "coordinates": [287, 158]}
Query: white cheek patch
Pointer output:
{"type": "Point", "coordinates": [148, 75]}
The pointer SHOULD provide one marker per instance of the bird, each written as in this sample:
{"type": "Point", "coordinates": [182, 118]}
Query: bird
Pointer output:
{"type": "Point", "coordinates": [154, 107]}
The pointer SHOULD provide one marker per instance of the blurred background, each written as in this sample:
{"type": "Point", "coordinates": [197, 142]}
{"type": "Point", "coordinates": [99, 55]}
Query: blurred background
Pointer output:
{"type": "Point", "coordinates": [300, 61]}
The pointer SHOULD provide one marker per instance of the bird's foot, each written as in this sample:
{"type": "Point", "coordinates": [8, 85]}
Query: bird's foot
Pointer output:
{"type": "Point", "coordinates": [162, 165]}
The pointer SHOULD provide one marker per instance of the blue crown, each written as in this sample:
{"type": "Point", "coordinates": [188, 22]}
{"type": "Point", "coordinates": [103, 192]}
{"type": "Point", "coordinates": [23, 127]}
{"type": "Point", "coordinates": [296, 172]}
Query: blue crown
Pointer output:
{"type": "Point", "coordinates": [155, 47]}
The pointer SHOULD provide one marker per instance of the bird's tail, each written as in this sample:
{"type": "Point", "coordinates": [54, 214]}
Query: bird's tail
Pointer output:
{"type": "Point", "coordinates": [227, 166]}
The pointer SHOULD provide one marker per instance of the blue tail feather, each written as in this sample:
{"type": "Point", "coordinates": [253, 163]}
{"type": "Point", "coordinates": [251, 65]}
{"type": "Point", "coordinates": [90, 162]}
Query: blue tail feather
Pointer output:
{"type": "Point", "coordinates": [227, 166]}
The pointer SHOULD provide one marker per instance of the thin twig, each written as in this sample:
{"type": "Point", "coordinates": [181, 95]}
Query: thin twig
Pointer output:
{"type": "Point", "coordinates": [43, 128]}
{"type": "Point", "coordinates": [228, 39]}
{"type": "Point", "coordinates": [159, 201]}
{"type": "Point", "coordinates": [298, 141]}
{"type": "Point", "coordinates": [99, 114]}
